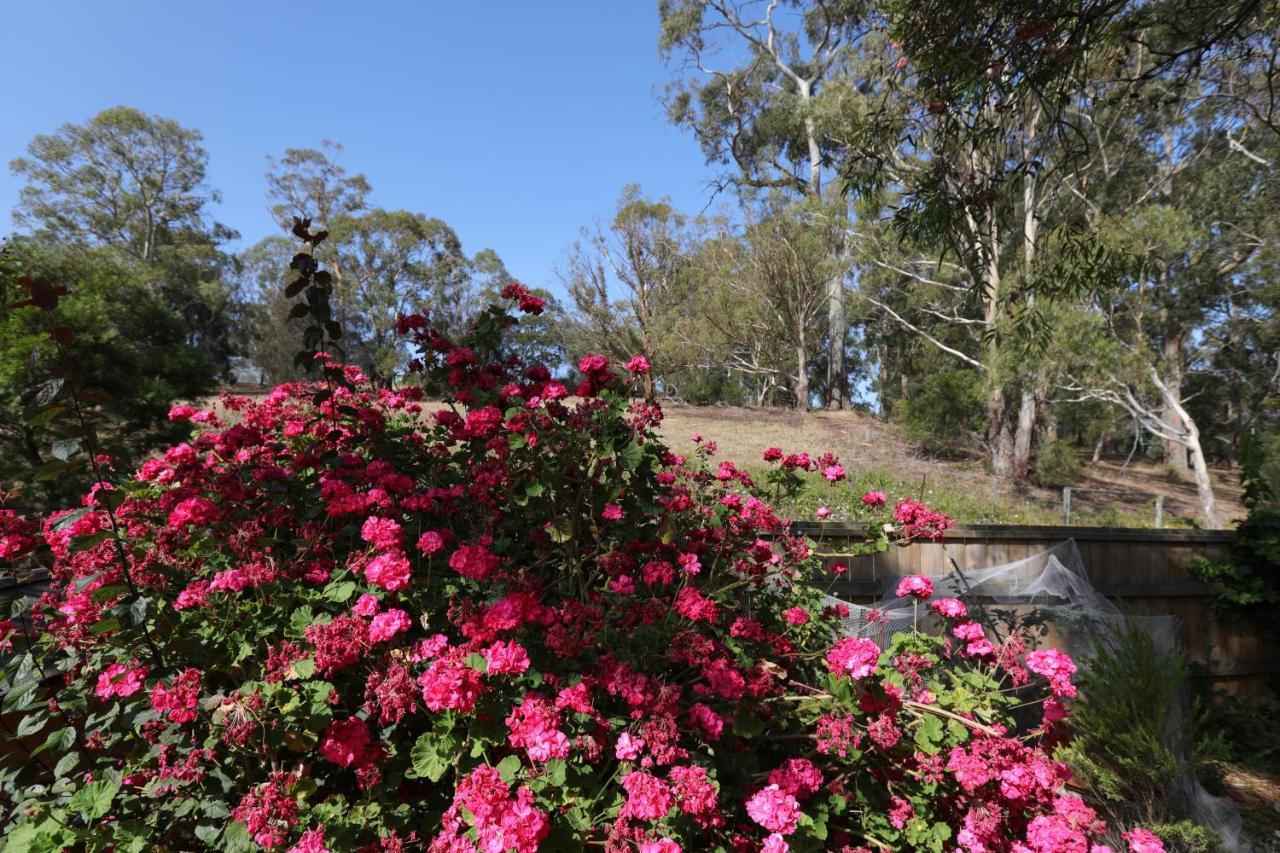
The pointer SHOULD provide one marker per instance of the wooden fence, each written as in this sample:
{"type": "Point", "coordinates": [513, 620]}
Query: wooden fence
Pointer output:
{"type": "Point", "coordinates": [1145, 572]}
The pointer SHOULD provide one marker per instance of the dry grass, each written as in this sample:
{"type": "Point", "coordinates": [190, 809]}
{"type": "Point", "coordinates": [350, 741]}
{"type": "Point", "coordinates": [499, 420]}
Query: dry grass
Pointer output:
{"type": "Point", "coordinates": [872, 451]}
{"type": "Point", "coordinates": [876, 457]}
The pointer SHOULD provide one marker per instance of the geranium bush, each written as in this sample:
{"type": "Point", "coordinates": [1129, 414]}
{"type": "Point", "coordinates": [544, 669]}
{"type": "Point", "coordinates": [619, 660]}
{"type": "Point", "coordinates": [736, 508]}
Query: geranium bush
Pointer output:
{"type": "Point", "coordinates": [342, 618]}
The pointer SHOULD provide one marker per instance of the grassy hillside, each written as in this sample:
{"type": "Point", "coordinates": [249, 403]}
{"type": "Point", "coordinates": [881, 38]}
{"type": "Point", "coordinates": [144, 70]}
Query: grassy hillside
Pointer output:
{"type": "Point", "coordinates": [876, 458]}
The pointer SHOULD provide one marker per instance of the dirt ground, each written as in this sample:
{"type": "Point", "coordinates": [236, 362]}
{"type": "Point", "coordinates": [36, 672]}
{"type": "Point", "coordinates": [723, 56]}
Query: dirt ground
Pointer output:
{"type": "Point", "coordinates": [864, 443]}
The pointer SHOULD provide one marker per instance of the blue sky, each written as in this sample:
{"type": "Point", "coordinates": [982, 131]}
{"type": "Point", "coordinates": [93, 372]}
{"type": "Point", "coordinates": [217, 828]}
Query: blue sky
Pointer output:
{"type": "Point", "coordinates": [515, 122]}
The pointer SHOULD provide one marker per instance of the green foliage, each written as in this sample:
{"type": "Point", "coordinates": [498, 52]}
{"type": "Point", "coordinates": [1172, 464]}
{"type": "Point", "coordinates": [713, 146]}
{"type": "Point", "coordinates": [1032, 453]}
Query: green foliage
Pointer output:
{"type": "Point", "coordinates": [1187, 836]}
{"type": "Point", "coordinates": [1131, 745]}
{"type": "Point", "coordinates": [1248, 583]}
{"type": "Point", "coordinates": [944, 417]}
{"type": "Point", "coordinates": [118, 336]}
{"type": "Point", "coordinates": [1057, 464]}
{"type": "Point", "coordinates": [136, 183]}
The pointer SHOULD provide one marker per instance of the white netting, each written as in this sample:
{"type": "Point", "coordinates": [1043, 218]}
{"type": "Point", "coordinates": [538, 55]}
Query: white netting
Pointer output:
{"type": "Point", "coordinates": [1052, 586]}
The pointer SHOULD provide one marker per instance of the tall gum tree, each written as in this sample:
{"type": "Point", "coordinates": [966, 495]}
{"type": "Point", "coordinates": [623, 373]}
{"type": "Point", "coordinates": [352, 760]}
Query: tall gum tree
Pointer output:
{"type": "Point", "coordinates": [763, 81]}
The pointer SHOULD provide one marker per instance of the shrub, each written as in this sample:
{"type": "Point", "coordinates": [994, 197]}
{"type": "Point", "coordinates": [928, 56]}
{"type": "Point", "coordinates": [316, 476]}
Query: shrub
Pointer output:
{"type": "Point", "coordinates": [1131, 745]}
{"type": "Point", "coordinates": [944, 418]}
{"type": "Point", "coordinates": [116, 335]}
{"type": "Point", "coordinates": [336, 620]}
{"type": "Point", "coordinates": [1057, 465]}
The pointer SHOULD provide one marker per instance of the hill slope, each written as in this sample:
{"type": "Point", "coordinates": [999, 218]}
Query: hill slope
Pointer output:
{"type": "Point", "coordinates": [875, 455]}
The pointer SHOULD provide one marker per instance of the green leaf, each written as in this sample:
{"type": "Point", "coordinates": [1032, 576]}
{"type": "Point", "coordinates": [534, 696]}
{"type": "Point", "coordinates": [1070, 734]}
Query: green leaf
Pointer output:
{"type": "Point", "coordinates": [32, 723]}
{"type": "Point", "coordinates": [339, 591]}
{"type": "Point", "coordinates": [45, 415]}
{"type": "Point", "coordinates": [561, 530]}
{"type": "Point", "coordinates": [236, 839]}
{"type": "Point", "coordinates": [555, 772]}
{"type": "Point", "coordinates": [929, 734]}
{"type": "Point", "coordinates": [94, 800]}
{"type": "Point", "coordinates": [207, 834]}
{"type": "Point", "coordinates": [304, 668]}
{"type": "Point", "coordinates": [427, 762]}
{"type": "Point", "coordinates": [509, 767]}
{"type": "Point", "coordinates": [632, 455]}
{"type": "Point", "coordinates": [67, 762]}
{"type": "Point", "coordinates": [65, 448]}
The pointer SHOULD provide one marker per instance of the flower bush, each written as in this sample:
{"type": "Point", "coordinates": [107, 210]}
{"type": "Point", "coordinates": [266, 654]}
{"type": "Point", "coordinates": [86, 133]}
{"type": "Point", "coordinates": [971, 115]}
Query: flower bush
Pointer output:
{"type": "Point", "coordinates": [342, 618]}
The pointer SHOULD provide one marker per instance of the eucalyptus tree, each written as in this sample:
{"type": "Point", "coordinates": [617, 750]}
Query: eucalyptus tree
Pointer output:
{"type": "Point", "coordinates": [765, 83]}
{"type": "Point", "coordinates": [399, 262]}
{"type": "Point", "coordinates": [627, 283]}
{"type": "Point", "coordinates": [136, 184]}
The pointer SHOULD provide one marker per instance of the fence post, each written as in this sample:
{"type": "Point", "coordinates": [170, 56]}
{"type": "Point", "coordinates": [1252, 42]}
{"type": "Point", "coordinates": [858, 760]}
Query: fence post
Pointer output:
{"type": "Point", "coordinates": [1066, 505]}
{"type": "Point", "coordinates": [1159, 511]}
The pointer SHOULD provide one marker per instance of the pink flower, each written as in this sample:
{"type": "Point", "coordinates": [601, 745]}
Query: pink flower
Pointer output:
{"type": "Point", "coordinates": [918, 586]}
{"type": "Point", "coordinates": [692, 605]}
{"type": "Point", "coordinates": [774, 843]}
{"type": "Point", "coordinates": [708, 721]}
{"type": "Point", "coordinates": [592, 363]}
{"type": "Point", "coordinates": [197, 511]}
{"type": "Point", "coordinates": [474, 561]}
{"type": "Point", "coordinates": [450, 684]}
{"type": "Point", "coordinates": [900, 811]}
{"type": "Point", "coordinates": [638, 364]}
{"type": "Point", "coordinates": [182, 412]}
{"type": "Point", "coordinates": [949, 607]}
{"type": "Point", "coordinates": [1057, 667]}
{"type": "Point", "coordinates": [381, 532]}
{"type": "Point", "coordinates": [772, 454]}
{"type": "Point", "coordinates": [387, 624]}
{"type": "Point", "coordinates": [874, 499]}
{"type": "Point", "coordinates": [648, 797]}
{"type": "Point", "coordinates": [312, 841]}
{"type": "Point", "coordinates": [121, 680]}
{"type": "Point", "coordinates": [798, 777]}
{"type": "Point", "coordinates": [628, 748]}
{"type": "Point", "coordinates": [822, 512]}
{"type": "Point", "coordinates": [482, 422]}
{"type": "Point", "coordinates": [346, 742]}
{"type": "Point", "coordinates": [612, 512]}
{"type": "Point", "coordinates": [506, 657]}
{"type": "Point", "coordinates": [178, 701]}
{"type": "Point", "coordinates": [389, 570]}
{"type": "Point", "coordinates": [774, 809]}
{"type": "Point", "coordinates": [833, 473]}
{"type": "Point", "coordinates": [535, 726]}
{"type": "Point", "coordinates": [662, 845]}
{"type": "Point", "coordinates": [1143, 841]}
{"type": "Point", "coordinates": [430, 542]}
{"type": "Point", "coordinates": [855, 657]}
{"type": "Point", "coordinates": [366, 605]}
{"type": "Point", "coordinates": [689, 563]}
{"type": "Point", "coordinates": [796, 615]}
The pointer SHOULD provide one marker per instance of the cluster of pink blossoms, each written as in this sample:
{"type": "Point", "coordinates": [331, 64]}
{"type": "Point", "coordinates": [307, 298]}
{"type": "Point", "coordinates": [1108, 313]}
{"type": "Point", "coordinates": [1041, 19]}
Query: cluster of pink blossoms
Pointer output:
{"type": "Point", "coordinates": [423, 584]}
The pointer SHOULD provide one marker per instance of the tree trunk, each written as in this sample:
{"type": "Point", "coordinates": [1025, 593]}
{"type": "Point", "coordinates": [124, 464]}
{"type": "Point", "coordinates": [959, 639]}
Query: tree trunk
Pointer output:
{"type": "Point", "coordinates": [1025, 431]}
{"type": "Point", "coordinates": [999, 436]}
{"type": "Point", "coordinates": [1204, 485]}
{"type": "Point", "coordinates": [837, 323]}
{"type": "Point", "coordinates": [1174, 452]}
{"type": "Point", "coordinates": [802, 377]}
{"type": "Point", "coordinates": [1102, 442]}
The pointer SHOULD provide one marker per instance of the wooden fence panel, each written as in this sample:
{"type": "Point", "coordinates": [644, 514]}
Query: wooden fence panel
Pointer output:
{"type": "Point", "coordinates": [1145, 572]}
